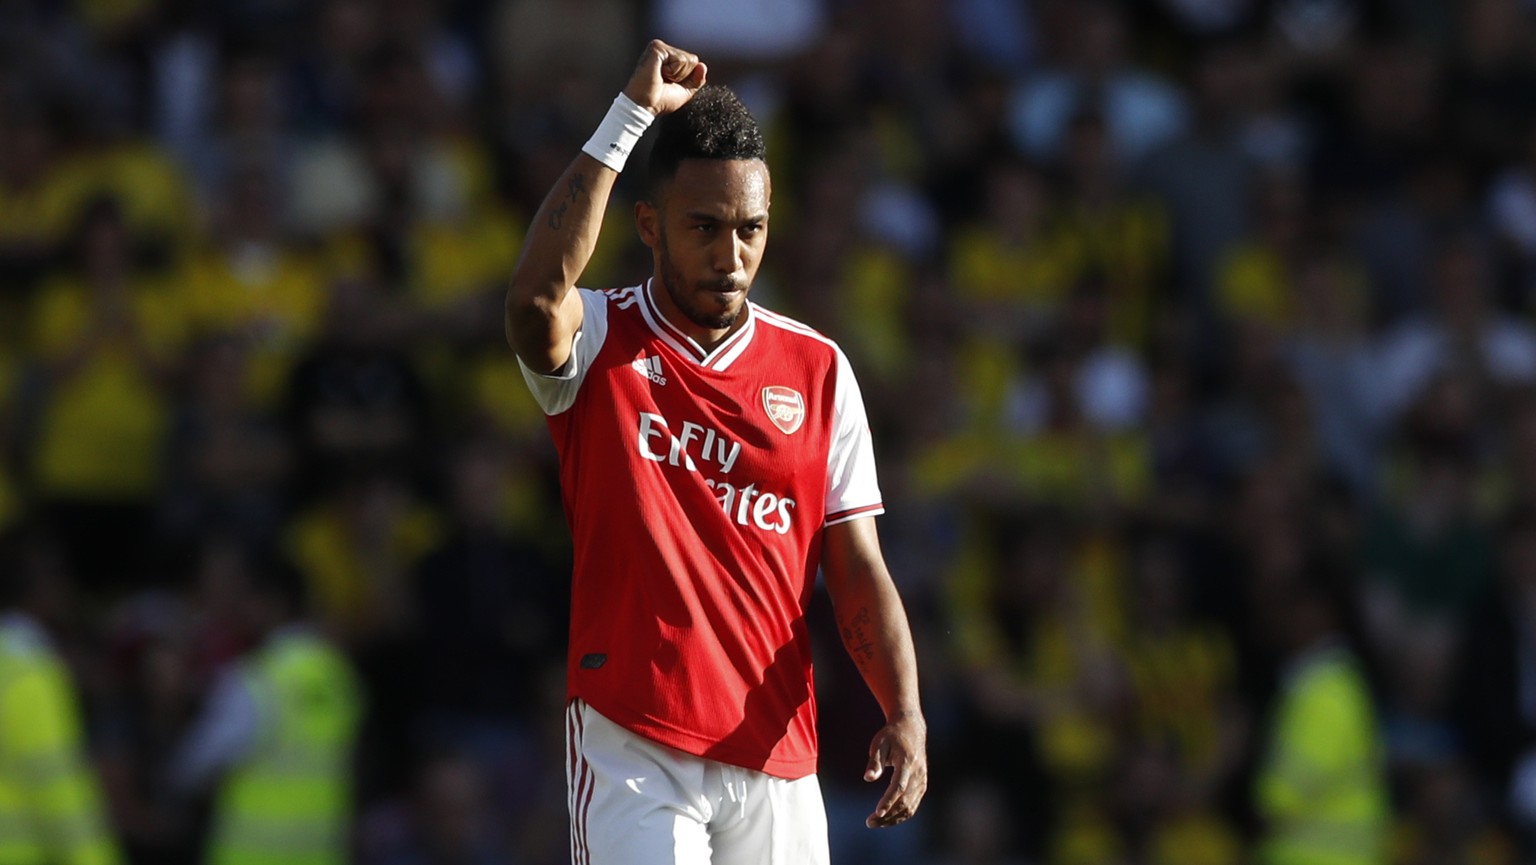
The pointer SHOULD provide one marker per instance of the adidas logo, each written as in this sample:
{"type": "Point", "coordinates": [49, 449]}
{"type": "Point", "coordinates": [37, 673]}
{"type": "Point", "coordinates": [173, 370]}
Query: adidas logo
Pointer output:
{"type": "Point", "coordinates": [650, 367]}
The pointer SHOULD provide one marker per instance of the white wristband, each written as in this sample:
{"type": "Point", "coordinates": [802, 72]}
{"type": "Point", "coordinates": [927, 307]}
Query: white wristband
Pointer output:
{"type": "Point", "coordinates": [619, 132]}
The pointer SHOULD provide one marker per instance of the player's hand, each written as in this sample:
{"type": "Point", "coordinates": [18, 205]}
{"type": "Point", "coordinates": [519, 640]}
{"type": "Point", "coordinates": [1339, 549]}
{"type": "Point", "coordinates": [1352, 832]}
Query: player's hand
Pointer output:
{"type": "Point", "coordinates": [901, 746]}
{"type": "Point", "coordinates": [665, 78]}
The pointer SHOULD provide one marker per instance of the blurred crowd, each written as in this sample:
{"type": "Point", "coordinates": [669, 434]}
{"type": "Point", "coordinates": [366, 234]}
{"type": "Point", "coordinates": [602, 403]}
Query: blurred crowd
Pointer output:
{"type": "Point", "coordinates": [1198, 339]}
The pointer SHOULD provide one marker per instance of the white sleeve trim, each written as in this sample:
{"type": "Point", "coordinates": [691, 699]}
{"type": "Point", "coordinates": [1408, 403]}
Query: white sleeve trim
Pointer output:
{"type": "Point", "coordinates": [555, 392]}
{"type": "Point", "coordinates": [850, 516]}
{"type": "Point", "coordinates": [853, 489]}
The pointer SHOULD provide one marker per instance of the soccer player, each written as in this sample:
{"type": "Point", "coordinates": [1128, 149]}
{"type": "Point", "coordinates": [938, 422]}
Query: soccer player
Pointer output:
{"type": "Point", "coordinates": [713, 455]}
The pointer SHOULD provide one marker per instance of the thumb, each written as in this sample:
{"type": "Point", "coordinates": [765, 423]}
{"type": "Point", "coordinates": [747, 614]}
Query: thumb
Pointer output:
{"type": "Point", "coordinates": [696, 77]}
{"type": "Point", "coordinates": [652, 59]}
{"type": "Point", "coordinates": [877, 755]}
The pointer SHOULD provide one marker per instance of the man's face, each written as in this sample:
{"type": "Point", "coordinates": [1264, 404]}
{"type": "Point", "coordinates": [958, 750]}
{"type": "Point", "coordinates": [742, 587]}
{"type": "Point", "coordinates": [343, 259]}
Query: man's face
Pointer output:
{"type": "Point", "coordinates": [708, 228]}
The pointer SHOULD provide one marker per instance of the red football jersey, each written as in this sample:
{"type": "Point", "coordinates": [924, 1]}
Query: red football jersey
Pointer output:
{"type": "Point", "coordinates": [696, 486]}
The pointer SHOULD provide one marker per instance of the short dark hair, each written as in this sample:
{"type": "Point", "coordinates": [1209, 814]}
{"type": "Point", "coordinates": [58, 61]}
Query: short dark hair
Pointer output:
{"type": "Point", "coordinates": [714, 124]}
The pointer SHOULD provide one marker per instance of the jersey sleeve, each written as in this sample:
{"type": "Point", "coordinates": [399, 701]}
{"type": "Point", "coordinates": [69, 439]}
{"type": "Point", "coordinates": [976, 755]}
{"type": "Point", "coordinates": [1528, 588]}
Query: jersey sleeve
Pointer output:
{"type": "Point", "coordinates": [853, 490]}
{"type": "Point", "coordinates": [556, 391]}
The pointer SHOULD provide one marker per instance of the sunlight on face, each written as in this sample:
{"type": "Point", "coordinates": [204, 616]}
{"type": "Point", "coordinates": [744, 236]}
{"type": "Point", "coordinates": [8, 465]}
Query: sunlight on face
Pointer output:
{"type": "Point", "coordinates": [711, 236]}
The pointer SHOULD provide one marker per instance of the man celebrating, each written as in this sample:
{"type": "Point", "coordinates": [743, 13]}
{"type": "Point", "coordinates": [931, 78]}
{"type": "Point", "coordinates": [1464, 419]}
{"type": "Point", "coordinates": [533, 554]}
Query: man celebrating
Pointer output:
{"type": "Point", "coordinates": [713, 455]}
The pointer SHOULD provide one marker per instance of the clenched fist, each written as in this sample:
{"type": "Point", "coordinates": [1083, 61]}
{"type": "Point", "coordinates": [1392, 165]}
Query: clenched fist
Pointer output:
{"type": "Point", "coordinates": [665, 78]}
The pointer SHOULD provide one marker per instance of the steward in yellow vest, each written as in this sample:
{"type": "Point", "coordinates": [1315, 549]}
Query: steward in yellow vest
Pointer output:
{"type": "Point", "coordinates": [1321, 788]}
{"type": "Point", "coordinates": [280, 728]}
{"type": "Point", "coordinates": [50, 803]}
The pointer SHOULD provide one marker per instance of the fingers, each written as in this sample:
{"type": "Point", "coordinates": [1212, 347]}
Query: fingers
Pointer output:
{"type": "Point", "coordinates": [890, 810]}
{"type": "Point", "coordinates": [901, 798]}
{"type": "Point", "coordinates": [674, 65]}
{"type": "Point", "coordinates": [695, 78]}
{"type": "Point", "coordinates": [909, 781]}
{"type": "Point", "coordinates": [683, 68]}
{"type": "Point", "coordinates": [665, 78]}
{"type": "Point", "coordinates": [903, 779]}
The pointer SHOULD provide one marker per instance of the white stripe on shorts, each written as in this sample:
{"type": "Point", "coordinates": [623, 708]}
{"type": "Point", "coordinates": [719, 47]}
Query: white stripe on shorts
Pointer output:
{"type": "Point", "coordinates": [579, 783]}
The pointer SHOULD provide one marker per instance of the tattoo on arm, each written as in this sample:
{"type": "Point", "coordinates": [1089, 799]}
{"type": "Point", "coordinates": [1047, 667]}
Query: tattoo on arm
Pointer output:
{"type": "Point", "coordinates": [856, 638]}
{"type": "Point", "coordinates": [574, 188]}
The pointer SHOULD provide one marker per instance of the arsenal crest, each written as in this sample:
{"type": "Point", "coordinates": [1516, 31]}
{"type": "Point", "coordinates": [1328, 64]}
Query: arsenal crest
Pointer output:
{"type": "Point", "coordinates": [785, 407]}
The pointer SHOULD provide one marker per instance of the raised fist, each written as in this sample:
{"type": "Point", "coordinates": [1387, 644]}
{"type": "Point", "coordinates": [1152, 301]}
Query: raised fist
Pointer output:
{"type": "Point", "coordinates": [665, 78]}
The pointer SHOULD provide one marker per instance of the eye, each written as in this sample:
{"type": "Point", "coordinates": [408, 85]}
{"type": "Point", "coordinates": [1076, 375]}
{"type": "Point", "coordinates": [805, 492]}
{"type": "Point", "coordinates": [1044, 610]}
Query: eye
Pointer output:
{"type": "Point", "coordinates": [751, 228]}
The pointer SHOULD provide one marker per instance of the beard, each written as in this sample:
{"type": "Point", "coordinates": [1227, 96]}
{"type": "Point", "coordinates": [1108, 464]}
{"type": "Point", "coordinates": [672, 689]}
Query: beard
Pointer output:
{"type": "Point", "coordinates": [687, 298]}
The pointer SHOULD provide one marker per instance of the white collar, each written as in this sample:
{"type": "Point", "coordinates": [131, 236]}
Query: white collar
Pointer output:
{"type": "Point", "coordinates": [718, 358]}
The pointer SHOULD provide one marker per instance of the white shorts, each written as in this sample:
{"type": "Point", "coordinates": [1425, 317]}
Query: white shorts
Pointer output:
{"type": "Point", "coordinates": [636, 802]}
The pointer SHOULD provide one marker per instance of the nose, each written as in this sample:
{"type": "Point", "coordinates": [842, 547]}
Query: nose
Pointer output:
{"type": "Point", "coordinates": [729, 253]}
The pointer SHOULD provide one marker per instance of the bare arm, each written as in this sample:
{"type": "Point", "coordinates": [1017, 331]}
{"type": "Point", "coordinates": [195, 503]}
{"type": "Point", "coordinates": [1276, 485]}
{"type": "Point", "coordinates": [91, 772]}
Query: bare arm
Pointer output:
{"type": "Point", "coordinates": [874, 628]}
{"type": "Point", "coordinates": [542, 312]}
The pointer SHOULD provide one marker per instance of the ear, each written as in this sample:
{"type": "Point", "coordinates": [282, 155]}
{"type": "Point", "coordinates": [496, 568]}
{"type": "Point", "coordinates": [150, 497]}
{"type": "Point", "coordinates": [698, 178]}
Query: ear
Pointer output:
{"type": "Point", "coordinates": [648, 223]}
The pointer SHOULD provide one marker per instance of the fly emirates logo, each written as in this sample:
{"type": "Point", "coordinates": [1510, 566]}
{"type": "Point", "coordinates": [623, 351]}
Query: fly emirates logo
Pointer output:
{"type": "Point", "coordinates": [692, 443]}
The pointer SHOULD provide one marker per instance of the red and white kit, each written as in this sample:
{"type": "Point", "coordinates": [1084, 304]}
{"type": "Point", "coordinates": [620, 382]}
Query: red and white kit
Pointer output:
{"type": "Point", "coordinates": [696, 485]}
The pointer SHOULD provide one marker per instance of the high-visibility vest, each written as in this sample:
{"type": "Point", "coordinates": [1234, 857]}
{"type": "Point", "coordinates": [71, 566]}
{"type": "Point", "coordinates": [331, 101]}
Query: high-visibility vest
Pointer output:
{"type": "Point", "coordinates": [289, 801]}
{"type": "Point", "coordinates": [50, 803]}
{"type": "Point", "coordinates": [1322, 788]}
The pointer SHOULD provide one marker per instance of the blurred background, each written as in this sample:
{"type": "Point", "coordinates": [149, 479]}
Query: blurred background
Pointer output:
{"type": "Point", "coordinates": [1198, 339]}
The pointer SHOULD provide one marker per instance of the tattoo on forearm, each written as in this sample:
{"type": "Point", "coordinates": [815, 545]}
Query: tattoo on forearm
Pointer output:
{"type": "Point", "coordinates": [856, 638]}
{"type": "Point", "coordinates": [574, 188]}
